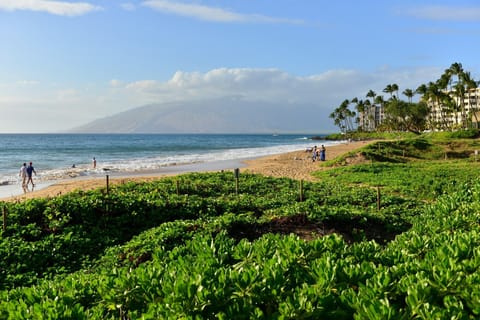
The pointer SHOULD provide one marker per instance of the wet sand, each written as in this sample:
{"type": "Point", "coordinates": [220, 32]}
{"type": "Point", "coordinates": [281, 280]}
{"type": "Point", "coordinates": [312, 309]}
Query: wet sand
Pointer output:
{"type": "Point", "coordinates": [297, 165]}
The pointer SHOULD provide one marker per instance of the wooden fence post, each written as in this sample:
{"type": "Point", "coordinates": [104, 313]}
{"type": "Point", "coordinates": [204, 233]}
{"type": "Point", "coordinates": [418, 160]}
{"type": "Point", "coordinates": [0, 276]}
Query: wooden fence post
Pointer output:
{"type": "Point", "coordinates": [4, 210]}
{"type": "Point", "coordinates": [177, 184]}
{"type": "Point", "coordinates": [107, 184]}
{"type": "Point", "coordinates": [301, 190]}
{"type": "Point", "coordinates": [236, 172]}
{"type": "Point", "coordinates": [378, 198]}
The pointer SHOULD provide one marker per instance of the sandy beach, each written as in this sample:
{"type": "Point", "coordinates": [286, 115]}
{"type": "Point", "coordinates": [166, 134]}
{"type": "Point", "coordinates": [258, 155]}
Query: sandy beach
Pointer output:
{"type": "Point", "coordinates": [297, 165]}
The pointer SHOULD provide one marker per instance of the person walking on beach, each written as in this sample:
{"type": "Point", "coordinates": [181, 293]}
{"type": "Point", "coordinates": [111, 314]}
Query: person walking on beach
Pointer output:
{"type": "Point", "coordinates": [94, 163]}
{"type": "Point", "coordinates": [30, 171]}
{"type": "Point", "coordinates": [23, 173]}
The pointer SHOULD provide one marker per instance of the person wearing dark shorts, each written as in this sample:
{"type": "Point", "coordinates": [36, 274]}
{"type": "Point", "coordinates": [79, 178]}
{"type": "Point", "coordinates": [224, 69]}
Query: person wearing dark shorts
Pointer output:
{"type": "Point", "coordinates": [30, 172]}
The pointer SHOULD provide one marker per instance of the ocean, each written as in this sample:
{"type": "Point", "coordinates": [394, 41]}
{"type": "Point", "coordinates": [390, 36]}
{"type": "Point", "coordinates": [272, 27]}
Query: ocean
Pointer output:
{"type": "Point", "coordinates": [66, 156]}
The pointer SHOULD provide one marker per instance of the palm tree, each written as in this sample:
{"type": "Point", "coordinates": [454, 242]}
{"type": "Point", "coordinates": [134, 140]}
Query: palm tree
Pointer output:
{"type": "Point", "coordinates": [370, 114]}
{"type": "Point", "coordinates": [395, 89]}
{"type": "Point", "coordinates": [350, 115]}
{"type": "Point", "coordinates": [443, 105]}
{"type": "Point", "coordinates": [456, 69]}
{"type": "Point", "coordinates": [342, 117]}
{"type": "Point", "coordinates": [471, 87]}
{"type": "Point", "coordinates": [357, 119]}
{"type": "Point", "coordinates": [409, 93]}
{"type": "Point", "coordinates": [459, 93]}
{"type": "Point", "coordinates": [435, 94]}
{"type": "Point", "coordinates": [426, 97]}
{"type": "Point", "coordinates": [338, 117]}
{"type": "Point", "coordinates": [445, 81]}
{"type": "Point", "coordinates": [361, 109]}
{"type": "Point", "coordinates": [335, 115]}
{"type": "Point", "coordinates": [371, 94]}
{"type": "Point", "coordinates": [374, 121]}
{"type": "Point", "coordinates": [389, 89]}
{"type": "Point", "coordinates": [381, 105]}
{"type": "Point", "coordinates": [452, 83]}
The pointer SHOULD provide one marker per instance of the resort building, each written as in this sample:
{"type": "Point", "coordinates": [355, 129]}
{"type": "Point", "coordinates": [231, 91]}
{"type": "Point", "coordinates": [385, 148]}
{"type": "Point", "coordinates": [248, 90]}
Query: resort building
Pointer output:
{"type": "Point", "coordinates": [444, 114]}
{"type": "Point", "coordinates": [457, 112]}
{"type": "Point", "coordinates": [371, 117]}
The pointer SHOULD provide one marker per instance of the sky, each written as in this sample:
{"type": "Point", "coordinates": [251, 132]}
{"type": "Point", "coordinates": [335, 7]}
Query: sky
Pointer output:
{"type": "Point", "coordinates": [66, 63]}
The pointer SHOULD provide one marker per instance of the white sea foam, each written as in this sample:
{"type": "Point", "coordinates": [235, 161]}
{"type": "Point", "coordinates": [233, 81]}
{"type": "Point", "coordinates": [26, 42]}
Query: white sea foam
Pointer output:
{"type": "Point", "coordinates": [152, 164]}
{"type": "Point", "coordinates": [10, 183]}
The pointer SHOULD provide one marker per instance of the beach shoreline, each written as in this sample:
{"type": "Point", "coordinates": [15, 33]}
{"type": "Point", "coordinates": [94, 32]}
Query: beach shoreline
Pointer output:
{"type": "Point", "coordinates": [296, 165]}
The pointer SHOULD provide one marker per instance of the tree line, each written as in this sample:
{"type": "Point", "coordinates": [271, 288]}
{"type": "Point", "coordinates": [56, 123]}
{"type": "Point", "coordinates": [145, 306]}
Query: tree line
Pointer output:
{"type": "Point", "coordinates": [445, 104]}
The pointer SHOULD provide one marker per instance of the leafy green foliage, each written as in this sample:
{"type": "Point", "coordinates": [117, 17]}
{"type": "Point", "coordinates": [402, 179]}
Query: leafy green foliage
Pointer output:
{"type": "Point", "coordinates": [189, 247]}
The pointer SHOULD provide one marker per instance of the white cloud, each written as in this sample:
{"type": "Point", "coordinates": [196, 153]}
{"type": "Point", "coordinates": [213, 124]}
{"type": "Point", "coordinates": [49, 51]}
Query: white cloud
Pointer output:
{"type": "Point", "coordinates": [449, 13]}
{"type": "Point", "coordinates": [328, 89]}
{"type": "Point", "coordinates": [67, 95]}
{"type": "Point", "coordinates": [27, 82]}
{"type": "Point", "coordinates": [61, 8]}
{"type": "Point", "coordinates": [212, 14]}
{"type": "Point", "coordinates": [115, 83]}
{"type": "Point", "coordinates": [128, 6]}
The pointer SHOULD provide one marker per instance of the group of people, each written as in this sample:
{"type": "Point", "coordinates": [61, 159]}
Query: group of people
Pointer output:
{"type": "Point", "coordinates": [318, 153]}
{"type": "Point", "coordinates": [26, 173]}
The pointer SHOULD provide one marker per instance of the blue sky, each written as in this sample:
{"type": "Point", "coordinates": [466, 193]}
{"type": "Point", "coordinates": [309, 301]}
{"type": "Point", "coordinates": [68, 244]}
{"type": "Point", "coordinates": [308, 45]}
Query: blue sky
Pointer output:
{"type": "Point", "coordinates": [65, 63]}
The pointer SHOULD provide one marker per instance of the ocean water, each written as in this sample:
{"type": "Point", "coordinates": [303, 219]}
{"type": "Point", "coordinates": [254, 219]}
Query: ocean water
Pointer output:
{"type": "Point", "coordinates": [54, 155]}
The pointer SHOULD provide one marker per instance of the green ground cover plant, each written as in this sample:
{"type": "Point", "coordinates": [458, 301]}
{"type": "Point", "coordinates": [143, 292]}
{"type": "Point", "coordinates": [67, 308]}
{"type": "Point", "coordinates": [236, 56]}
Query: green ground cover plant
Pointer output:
{"type": "Point", "coordinates": [417, 168]}
{"type": "Point", "coordinates": [425, 180]}
{"type": "Point", "coordinates": [190, 247]}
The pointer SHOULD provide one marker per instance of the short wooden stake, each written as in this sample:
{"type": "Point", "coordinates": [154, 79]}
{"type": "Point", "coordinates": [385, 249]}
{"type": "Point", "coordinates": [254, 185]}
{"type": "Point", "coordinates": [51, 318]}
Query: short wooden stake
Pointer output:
{"type": "Point", "coordinates": [178, 187]}
{"type": "Point", "coordinates": [378, 198]}
{"type": "Point", "coordinates": [236, 172]}
{"type": "Point", "coordinates": [301, 190]}
{"type": "Point", "coordinates": [4, 210]}
{"type": "Point", "coordinates": [108, 185]}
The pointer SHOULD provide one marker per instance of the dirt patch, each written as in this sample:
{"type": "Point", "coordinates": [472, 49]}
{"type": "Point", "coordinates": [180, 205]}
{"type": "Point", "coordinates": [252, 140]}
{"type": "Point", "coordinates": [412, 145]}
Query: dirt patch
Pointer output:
{"type": "Point", "coordinates": [358, 158]}
{"type": "Point", "coordinates": [353, 230]}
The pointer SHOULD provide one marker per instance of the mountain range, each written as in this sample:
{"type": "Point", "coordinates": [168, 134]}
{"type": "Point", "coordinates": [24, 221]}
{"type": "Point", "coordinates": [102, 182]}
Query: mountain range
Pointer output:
{"type": "Point", "coordinates": [223, 115]}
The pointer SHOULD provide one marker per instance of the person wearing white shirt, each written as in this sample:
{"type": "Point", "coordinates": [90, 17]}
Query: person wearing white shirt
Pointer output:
{"type": "Point", "coordinates": [23, 173]}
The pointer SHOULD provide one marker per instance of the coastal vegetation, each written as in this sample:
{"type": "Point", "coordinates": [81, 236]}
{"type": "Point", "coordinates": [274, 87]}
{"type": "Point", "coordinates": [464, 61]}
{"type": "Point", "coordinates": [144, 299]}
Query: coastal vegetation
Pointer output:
{"type": "Point", "coordinates": [394, 234]}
